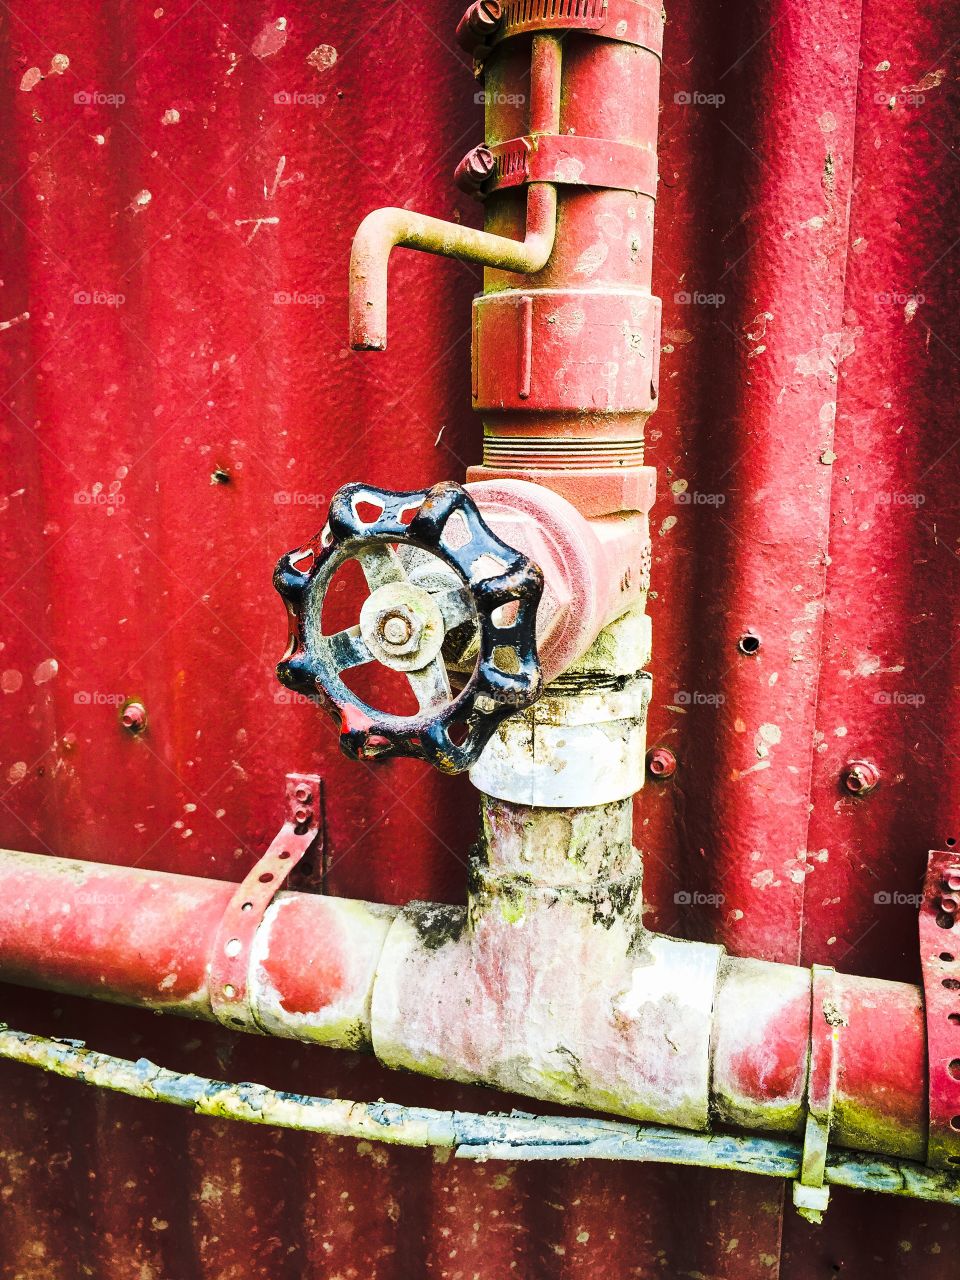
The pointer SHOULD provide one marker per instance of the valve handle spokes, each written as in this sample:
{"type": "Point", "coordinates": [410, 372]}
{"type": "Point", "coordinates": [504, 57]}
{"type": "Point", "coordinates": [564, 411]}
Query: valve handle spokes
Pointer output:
{"type": "Point", "coordinates": [432, 566]}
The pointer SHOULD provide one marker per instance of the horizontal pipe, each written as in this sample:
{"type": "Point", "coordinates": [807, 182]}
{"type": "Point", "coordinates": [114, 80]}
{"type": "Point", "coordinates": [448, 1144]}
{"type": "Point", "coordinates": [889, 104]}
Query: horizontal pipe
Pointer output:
{"type": "Point", "coordinates": [147, 938]}
{"type": "Point", "coordinates": [349, 974]}
{"type": "Point", "coordinates": [469, 1135]}
{"type": "Point", "coordinates": [386, 229]}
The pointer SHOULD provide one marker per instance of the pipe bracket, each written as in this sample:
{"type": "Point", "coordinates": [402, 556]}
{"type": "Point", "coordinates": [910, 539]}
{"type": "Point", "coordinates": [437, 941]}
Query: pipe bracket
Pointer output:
{"type": "Point", "coordinates": [810, 1193]}
{"type": "Point", "coordinates": [229, 967]}
{"type": "Point", "coordinates": [940, 963]}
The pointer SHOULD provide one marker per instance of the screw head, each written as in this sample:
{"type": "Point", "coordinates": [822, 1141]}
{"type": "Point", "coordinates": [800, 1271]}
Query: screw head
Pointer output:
{"type": "Point", "coordinates": [133, 717]}
{"type": "Point", "coordinates": [474, 169]}
{"type": "Point", "coordinates": [661, 763]}
{"type": "Point", "coordinates": [860, 776]}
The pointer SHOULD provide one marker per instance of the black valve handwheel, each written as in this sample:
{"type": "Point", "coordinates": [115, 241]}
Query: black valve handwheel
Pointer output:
{"type": "Point", "coordinates": [406, 618]}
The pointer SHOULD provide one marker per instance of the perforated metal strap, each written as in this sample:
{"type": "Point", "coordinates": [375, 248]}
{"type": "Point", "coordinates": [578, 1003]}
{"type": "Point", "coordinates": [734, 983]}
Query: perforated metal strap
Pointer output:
{"type": "Point", "coordinates": [827, 1019]}
{"type": "Point", "coordinates": [230, 964]}
{"type": "Point", "coordinates": [940, 963]}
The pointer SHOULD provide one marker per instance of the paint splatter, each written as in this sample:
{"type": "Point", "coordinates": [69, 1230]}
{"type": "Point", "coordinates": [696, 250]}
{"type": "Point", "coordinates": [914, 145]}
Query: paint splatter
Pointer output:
{"type": "Point", "coordinates": [170, 116]}
{"type": "Point", "coordinates": [930, 81]}
{"type": "Point", "coordinates": [323, 57]}
{"type": "Point", "coordinates": [46, 670]}
{"type": "Point", "coordinates": [270, 40]}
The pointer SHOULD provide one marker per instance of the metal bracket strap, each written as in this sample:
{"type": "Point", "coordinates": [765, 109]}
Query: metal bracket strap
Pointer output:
{"type": "Point", "coordinates": [940, 964]}
{"type": "Point", "coordinates": [810, 1195]}
{"type": "Point", "coordinates": [229, 966]}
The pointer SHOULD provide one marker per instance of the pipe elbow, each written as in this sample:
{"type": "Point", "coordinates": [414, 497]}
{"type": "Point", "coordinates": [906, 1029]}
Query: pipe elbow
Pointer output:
{"type": "Point", "coordinates": [378, 233]}
{"type": "Point", "coordinates": [386, 229]}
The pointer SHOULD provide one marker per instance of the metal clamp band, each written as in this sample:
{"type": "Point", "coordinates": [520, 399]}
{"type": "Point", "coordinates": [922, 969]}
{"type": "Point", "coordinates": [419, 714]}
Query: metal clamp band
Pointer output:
{"type": "Point", "coordinates": [810, 1195]}
{"type": "Point", "coordinates": [573, 160]}
{"type": "Point", "coordinates": [940, 963]}
{"type": "Point", "coordinates": [228, 969]}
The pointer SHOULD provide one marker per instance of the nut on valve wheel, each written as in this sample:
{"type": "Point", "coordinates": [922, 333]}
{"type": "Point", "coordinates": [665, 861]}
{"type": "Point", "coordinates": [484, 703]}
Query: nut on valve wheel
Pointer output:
{"type": "Point", "coordinates": [444, 593]}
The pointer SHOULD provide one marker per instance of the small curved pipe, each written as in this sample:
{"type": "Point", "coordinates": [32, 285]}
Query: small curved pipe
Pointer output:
{"type": "Point", "coordinates": [386, 229]}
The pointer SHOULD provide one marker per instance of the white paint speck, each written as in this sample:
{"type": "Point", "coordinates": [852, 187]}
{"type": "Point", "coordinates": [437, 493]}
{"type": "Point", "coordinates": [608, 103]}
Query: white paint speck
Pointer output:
{"type": "Point", "coordinates": [270, 40]}
{"type": "Point", "coordinates": [46, 670]}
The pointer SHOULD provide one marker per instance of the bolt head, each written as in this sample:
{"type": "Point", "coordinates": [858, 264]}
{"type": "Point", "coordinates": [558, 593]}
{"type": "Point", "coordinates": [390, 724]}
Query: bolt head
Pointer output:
{"type": "Point", "coordinates": [661, 763]}
{"type": "Point", "coordinates": [395, 629]}
{"type": "Point", "coordinates": [133, 717]}
{"type": "Point", "coordinates": [860, 776]}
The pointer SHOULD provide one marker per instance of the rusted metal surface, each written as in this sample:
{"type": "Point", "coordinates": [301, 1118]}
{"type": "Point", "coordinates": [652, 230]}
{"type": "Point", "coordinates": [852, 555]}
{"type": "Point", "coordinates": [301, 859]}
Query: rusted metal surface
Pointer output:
{"type": "Point", "coordinates": [201, 200]}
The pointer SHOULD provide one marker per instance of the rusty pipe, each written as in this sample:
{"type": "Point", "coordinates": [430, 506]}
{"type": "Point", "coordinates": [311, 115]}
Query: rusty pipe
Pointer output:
{"type": "Point", "coordinates": [146, 938]}
{"type": "Point", "coordinates": [339, 972]}
{"type": "Point", "coordinates": [386, 229]}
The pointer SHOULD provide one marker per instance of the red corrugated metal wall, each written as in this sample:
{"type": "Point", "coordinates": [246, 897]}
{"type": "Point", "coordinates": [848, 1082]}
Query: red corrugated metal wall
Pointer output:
{"type": "Point", "coordinates": [158, 203]}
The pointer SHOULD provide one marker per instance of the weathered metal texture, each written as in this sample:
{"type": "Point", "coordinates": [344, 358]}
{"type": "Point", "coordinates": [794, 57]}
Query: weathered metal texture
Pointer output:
{"type": "Point", "coordinates": [219, 199]}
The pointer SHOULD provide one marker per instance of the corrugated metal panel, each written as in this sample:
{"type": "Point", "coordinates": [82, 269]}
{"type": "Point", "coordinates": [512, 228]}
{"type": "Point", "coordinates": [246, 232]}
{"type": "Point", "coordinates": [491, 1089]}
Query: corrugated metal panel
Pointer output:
{"type": "Point", "coordinates": [814, 403]}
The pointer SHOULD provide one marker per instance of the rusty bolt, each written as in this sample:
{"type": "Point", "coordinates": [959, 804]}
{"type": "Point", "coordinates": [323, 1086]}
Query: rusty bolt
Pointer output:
{"type": "Point", "coordinates": [860, 776]}
{"type": "Point", "coordinates": [302, 792]}
{"type": "Point", "coordinates": [301, 815]}
{"type": "Point", "coordinates": [474, 169]}
{"type": "Point", "coordinates": [661, 763]}
{"type": "Point", "coordinates": [133, 717]}
{"type": "Point", "coordinates": [479, 24]}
